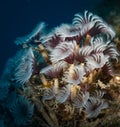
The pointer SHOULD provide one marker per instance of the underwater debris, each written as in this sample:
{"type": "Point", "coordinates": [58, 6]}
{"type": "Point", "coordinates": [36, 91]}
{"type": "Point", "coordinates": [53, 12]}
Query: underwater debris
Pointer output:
{"type": "Point", "coordinates": [77, 57]}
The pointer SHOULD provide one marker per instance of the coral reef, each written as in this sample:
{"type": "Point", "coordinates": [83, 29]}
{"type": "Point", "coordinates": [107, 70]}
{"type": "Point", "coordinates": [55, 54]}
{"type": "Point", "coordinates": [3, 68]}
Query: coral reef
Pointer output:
{"type": "Point", "coordinates": [64, 78]}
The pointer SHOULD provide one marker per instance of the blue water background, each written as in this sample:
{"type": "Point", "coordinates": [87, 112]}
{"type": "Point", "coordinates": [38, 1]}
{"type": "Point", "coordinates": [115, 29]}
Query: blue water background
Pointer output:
{"type": "Point", "coordinates": [19, 17]}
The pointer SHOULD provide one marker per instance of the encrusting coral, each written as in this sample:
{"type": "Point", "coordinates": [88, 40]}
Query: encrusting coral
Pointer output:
{"type": "Point", "coordinates": [73, 88]}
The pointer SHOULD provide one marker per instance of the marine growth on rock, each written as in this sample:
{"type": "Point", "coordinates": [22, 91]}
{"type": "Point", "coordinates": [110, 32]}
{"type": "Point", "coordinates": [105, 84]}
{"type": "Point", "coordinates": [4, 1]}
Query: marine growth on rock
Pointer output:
{"type": "Point", "coordinates": [59, 72]}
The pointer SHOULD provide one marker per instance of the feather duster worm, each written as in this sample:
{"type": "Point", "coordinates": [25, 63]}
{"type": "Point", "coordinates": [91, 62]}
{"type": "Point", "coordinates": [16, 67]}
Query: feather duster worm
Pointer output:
{"type": "Point", "coordinates": [32, 38]}
{"type": "Point", "coordinates": [63, 94]}
{"type": "Point", "coordinates": [76, 55]}
{"type": "Point", "coordinates": [77, 52]}
{"type": "Point", "coordinates": [48, 94]}
{"type": "Point", "coordinates": [74, 58]}
{"type": "Point", "coordinates": [21, 110]}
{"type": "Point", "coordinates": [20, 68]}
{"type": "Point", "coordinates": [75, 74]}
{"type": "Point", "coordinates": [54, 71]}
{"type": "Point", "coordinates": [81, 99]}
{"type": "Point", "coordinates": [92, 24]}
{"type": "Point", "coordinates": [94, 105]}
{"type": "Point", "coordinates": [62, 51]}
{"type": "Point", "coordinates": [24, 69]}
